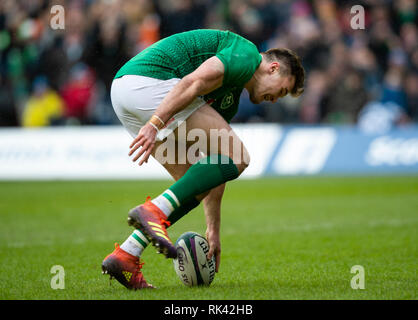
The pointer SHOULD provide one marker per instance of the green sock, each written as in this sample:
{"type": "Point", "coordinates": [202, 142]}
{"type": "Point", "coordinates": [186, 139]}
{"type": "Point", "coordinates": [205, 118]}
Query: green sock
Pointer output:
{"type": "Point", "coordinates": [203, 176]}
{"type": "Point", "coordinates": [183, 210]}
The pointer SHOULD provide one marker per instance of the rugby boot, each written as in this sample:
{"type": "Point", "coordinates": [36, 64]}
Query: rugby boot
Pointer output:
{"type": "Point", "coordinates": [126, 268]}
{"type": "Point", "coordinates": [153, 222]}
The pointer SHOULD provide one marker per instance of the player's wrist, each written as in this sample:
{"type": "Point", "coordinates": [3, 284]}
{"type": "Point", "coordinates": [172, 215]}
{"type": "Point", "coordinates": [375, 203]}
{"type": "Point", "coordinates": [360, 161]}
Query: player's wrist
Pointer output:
{"type": "Point", "coordinates": [154, 126]}
{"type": "Point", "coordinates": [157, 122]}
{"type": "Point", "coordinates": [213, 229]}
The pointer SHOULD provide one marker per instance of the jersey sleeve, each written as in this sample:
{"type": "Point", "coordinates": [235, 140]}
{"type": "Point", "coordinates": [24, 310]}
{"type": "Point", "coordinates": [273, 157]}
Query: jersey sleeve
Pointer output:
{"type": "Point", "coordinates": [240, 58]}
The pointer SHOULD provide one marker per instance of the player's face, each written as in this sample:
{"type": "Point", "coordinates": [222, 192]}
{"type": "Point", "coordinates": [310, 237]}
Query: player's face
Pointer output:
{"type": "Point", "coordinates": [272, 87]}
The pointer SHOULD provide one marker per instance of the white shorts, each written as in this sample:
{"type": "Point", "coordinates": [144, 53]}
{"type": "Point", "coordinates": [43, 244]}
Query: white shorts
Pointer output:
{"type": "Point", "coordinates": [135, 99]}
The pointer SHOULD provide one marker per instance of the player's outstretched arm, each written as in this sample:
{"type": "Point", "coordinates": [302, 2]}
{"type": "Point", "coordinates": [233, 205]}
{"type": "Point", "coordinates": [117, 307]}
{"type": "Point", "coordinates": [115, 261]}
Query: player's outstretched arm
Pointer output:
{"type": "Point", "coordinates": [212, 208]}
{"type": "Point", "coordinates": [206, 78]}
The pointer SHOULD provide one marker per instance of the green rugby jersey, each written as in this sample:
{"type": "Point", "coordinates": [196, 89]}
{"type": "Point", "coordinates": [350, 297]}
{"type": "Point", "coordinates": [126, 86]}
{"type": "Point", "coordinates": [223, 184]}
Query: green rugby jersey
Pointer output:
{"type": "Point", "coordinates": [180, 54]}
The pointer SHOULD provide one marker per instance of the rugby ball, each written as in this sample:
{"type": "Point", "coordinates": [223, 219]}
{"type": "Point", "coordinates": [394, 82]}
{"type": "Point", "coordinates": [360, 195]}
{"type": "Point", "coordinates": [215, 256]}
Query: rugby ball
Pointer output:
{"type": "Point", "coordinates": [191, 265]}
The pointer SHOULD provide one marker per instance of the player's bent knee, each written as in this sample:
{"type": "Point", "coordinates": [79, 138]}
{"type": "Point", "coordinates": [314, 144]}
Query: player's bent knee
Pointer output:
{"type": "Point", "coordinates": [242, 161]}
{"type": "Point", "coordinates": [241, 167]}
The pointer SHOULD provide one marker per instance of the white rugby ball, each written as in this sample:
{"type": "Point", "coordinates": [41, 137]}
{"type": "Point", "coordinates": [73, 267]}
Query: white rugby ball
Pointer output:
{"type": "Point", "coordinates": [192, 266]}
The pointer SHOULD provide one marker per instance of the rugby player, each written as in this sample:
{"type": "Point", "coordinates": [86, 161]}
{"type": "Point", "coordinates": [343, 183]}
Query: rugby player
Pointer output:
{"type": "Point", "coordinates": [196, 76]}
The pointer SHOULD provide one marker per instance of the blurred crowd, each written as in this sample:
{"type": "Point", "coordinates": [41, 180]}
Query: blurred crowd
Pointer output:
{"type": "Point", "coordinates": [367, 77]}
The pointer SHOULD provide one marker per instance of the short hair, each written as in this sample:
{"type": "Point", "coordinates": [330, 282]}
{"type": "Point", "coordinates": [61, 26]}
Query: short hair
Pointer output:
{"type": "Point", "coordinates": [292, 66]}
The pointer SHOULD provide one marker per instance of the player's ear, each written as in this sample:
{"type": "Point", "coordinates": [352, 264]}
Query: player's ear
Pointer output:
{"type": "Point", "coordinates": [274, 67]}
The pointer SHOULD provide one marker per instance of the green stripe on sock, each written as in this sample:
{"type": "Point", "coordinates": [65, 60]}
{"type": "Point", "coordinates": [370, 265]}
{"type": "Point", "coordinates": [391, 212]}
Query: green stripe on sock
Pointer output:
{"type": "Point", "coordinates": [135, 236]}
{"type": "Point", "coordinates": [173, 203]}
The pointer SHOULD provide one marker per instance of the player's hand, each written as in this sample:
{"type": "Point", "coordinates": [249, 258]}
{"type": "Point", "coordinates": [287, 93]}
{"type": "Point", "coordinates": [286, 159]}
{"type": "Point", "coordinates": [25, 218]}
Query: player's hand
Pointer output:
{"type": "Point", "coordinates": [214, 247]}
{"type": "Point", "coordinates": [144, 140]}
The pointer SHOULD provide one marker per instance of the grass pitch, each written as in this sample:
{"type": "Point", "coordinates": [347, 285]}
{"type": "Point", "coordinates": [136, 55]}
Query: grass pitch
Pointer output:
{"type": "Point", "coordinates": [282, 238]}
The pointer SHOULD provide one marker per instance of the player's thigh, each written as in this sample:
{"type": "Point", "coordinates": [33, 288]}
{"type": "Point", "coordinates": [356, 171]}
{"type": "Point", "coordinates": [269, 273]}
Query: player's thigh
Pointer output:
{"type": "Point", "coordinates": [207, 123]}
{"type": "Point", "coordinates": [161, 154]}
{"type": "Point", "coordinates": [135, 99]}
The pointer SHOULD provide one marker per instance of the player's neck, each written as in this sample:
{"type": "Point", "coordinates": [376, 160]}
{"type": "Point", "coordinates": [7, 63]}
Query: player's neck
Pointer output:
{"type": "Point", "coordinates": [256, 77]}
